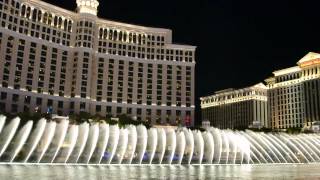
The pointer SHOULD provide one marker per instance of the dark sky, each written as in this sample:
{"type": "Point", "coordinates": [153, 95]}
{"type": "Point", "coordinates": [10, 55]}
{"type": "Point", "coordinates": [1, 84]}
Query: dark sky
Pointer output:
{"type": "Point", "coordinates": [240, 42]}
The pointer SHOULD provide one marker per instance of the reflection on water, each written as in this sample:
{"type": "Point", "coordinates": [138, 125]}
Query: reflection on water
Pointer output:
{"type": "Point", "coordinates": [28, 172]}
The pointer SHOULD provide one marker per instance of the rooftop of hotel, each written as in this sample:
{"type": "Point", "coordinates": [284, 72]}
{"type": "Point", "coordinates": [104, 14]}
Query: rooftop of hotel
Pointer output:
{"type": "Point", "coordinates": [259, 86]}
{"type": "Point", "coordinates": [309, 59]}
{"type": "Point", "coordinates": [88, 12]}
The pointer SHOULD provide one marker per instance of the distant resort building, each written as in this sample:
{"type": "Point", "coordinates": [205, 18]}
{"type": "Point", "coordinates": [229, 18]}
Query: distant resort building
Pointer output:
{"type": "Point", "coordinates": [236, 108]}
{"type": "Point", "coordinates": [63, 62]}
{"type": "Point", "coordinates": [291, 99]}
{"type": "Point", "coordinates": [294, 94]}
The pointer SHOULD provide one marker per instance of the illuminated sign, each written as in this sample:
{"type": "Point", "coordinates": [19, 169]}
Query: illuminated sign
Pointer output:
{"type": "Point", "coordinates": [310, 63]}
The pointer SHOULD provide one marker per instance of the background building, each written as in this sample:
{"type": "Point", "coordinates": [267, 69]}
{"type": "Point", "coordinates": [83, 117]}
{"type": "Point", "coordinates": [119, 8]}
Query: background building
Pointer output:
{"type": "Point", "coordinates": [294, 94]}
{"type": "Point", "coordinates": [55, 60]}
{"type": "Point", "coordinates": [236, 109]}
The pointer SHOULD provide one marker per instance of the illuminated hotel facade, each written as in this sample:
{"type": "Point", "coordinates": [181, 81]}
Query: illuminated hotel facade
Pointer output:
{"type": "Point", "coordinates": [236, 109]}
{"type": "Point", "coordinates": [290, 99]}
{"type": "Point", "coordinates": [294, 94]}
{"type": "Point", "coordinates": [69, 62]}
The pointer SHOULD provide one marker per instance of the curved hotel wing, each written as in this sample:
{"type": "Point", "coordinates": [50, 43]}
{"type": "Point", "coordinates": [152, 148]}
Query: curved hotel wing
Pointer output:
{"type": "Point", "coordinates": [62, 62]}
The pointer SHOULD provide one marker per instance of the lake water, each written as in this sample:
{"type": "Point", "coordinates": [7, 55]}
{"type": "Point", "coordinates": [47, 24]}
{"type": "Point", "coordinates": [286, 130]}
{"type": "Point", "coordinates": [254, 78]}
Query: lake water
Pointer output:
{"type": "Point", "coordinates": [272, 171]}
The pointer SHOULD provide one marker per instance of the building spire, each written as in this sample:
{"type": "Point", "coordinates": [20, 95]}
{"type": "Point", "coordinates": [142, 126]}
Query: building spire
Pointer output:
{"type": "Point", "coordinates": [88, 6]}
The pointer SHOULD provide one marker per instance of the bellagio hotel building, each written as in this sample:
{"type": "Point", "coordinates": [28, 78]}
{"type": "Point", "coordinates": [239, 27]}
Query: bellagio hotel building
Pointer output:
{"type": "Point", "coordinates": [64, 62]}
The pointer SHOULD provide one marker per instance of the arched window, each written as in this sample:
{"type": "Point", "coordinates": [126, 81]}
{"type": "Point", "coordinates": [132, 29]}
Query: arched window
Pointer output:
{"type": "Point", "coordinates": [39, 15]}
{"type": "Point", "coordinates": [45, 18]}
{"type": "Point", "coordinates": [100, 33]}
{"type": "Point", "coordinates": [144, 39]}
{"type": "Point", "coordinates": [60, 22]}
{"type": "Point", "coordinates": [120, 36]}
{"type": "Point", "coordinates": [110, 34]}
{"type": "Point", "coordinates": [115, 35]}
{"type": "Point", "coordinates": [55, 21]}
{"type": "Point", "coordinates": [130, 37]}
{"type": "Point", "coordinates": [105, 34]}
{"type": "Point", "coordinates": [50, 19]}
{"type": "Point", "coordinates": [125, 36]}
{"type": "Point", "coordinates": [139, 39]}
{"type": "Point", "coordinates": [134, 38]}
{"type": "Point", "coordinates": [28, 12]}
{"type": "Point", "coordinates": [65, 25]}
{"type": "Point", "coordinates": [69, 26]}
{"type": "Point", "coordinates": [34, 15]}
{"type": "Point", "coordinates": [23, 10]}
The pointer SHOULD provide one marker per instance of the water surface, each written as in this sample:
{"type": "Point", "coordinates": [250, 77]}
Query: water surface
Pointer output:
{"type": "Point", "coordinates": [275, 171]}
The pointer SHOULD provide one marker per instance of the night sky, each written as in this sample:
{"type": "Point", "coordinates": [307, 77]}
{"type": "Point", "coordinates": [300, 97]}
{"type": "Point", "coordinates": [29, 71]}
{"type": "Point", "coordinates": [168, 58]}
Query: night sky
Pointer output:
{"type": "Point", "coordinates": [239, 43]}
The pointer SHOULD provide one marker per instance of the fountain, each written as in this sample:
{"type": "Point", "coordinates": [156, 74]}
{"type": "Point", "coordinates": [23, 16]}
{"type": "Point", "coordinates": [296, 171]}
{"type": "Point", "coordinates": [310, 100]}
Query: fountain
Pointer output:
{"type": "Point", "coordinates": [51, 142]}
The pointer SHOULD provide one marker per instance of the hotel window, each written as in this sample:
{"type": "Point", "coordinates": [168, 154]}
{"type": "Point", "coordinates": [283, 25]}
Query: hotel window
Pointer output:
{"type": "Point", "coordinates": [27, 99]}
{"type": "Point", "coordinates": [7, 62]}
{"type": "Point", "coordinates": [2, 107]}
{"type": "Point", "coordinates": [39, 101]}
{"type": "Point", "coordinates": [168, 115]}
{"type": "Point", "coordinates": [169, 85]}
{"type": "Point", "coordinates": [129, 110]}
{"type": "Point", "coordinates": [178, 117]}
{"type": "Point", "coordinates": [14, 108]}
{"type": "Point", "coordinates": [82, 105]}
{"type": "Point", "coordinates": [149, 84]}
{"type": "Point", "coordinates": [148, 117]}
{"type": "Point", "coordinates": [139, 111]}
{"type": "Point", "coordinates": [98, 108]}
{"type": "Point", "coordinates": [130, 82]}
{"type": "Point", "coordinates": [71, 105]}
{"type": "Point", "coordinates": [108, 109]}
{"type": "Point", "coordinates": [60, 104]}
{"type": "Point", "coordinates": [3, 95]}
{"type": "Point", "coordinates": [15, 97]}
{"type": "Point", "coordinates": [100, 79]}
{"type": "Point", "coordinates": [31, 65]}
{"type": "Point", "coordinates": [110, 80]}
{"type": "Point", "coordinates": [50, 102]}
{"type": "Point", "coordinates": [158, 116]}
{"type": "Point", "coordinates": [159, 84]}
{"type": "Point", "coordinates": [119, 109]}
{"type": "Point", "coordinates": [188, 86]}
{"type": "Point", "coordinates": [120, 81]}
{"type": "Point", "coordinates": [140, 83]}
